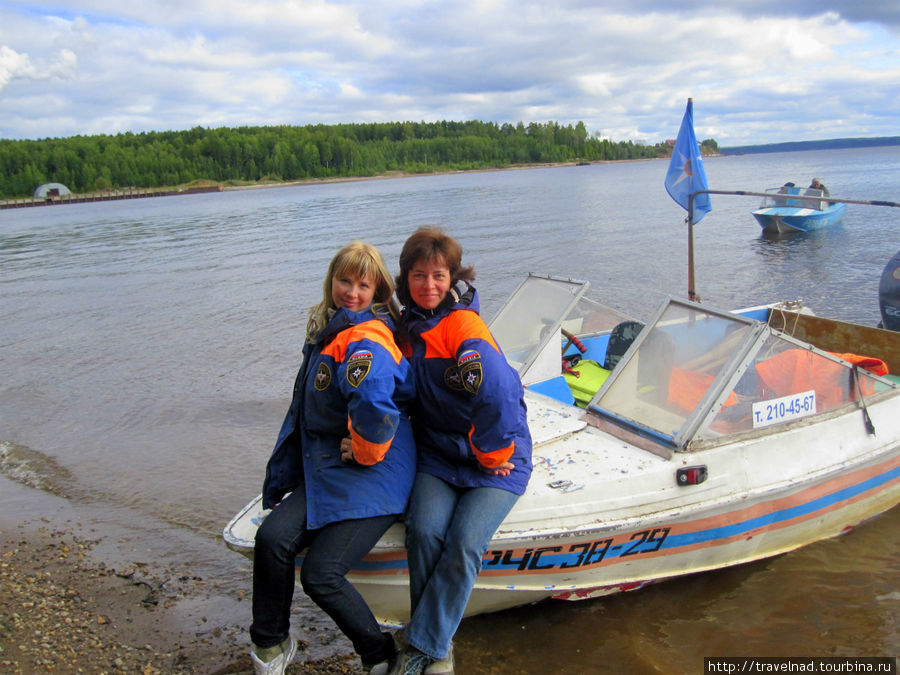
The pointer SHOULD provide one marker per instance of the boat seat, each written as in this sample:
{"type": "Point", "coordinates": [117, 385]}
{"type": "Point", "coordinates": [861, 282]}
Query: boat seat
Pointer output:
{"type": "Point", "coordinates": [587, 382]}
{"type": "Point", "coordinates": [620, 340]}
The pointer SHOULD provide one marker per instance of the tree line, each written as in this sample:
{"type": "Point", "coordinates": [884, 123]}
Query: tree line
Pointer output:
{"type": "Point", "coordinates": [234, 156]}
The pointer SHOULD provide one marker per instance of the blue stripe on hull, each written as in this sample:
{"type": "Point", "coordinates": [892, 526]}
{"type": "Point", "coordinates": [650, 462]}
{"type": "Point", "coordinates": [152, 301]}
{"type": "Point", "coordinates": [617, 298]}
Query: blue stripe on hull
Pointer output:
{"type": "Point", "coordinates": [554, 558]}
{"type": "Point", "coordinates": [783, 515]}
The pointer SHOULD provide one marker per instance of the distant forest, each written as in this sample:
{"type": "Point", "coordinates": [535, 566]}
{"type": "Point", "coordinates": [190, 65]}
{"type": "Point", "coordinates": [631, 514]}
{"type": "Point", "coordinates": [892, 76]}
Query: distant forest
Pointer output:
{"type": "Point", "coordinates": [284, 153]}
{"type": "Point", "coordinates": [833, 144]}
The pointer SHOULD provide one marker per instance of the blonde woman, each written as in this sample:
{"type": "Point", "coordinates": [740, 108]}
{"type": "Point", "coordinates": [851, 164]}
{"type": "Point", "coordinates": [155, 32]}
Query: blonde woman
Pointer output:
{"type": "Point", "coordinates": [343, 464]}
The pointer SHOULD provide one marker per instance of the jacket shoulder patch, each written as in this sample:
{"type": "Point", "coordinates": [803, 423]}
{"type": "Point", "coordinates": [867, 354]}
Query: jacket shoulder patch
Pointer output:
{"type": "Point", "coordinates": [471, 376]}
{"type": "Point", "coordinates": [471, 373]}
{"type": "Point", "coordinates": [358, 366]}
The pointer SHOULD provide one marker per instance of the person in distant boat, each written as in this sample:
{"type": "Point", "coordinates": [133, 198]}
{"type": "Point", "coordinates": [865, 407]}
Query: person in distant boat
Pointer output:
{"type": "Point", "coordinates": [786, 189]}
{"type": "Point", "coordinates": [816, 184]}
{"type": "Point", "coordinates": [343, 465]}
{"type": "Point", "coordinates": [473, 442]}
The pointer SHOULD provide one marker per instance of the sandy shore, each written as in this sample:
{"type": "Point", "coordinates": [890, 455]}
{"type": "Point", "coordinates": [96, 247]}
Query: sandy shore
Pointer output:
{"type": "Point", "coordinates": [398, 174]}
{"type": "Point", "coordinates": [63, 611]}
{"type": "Point", "coordinates": [406, 174]}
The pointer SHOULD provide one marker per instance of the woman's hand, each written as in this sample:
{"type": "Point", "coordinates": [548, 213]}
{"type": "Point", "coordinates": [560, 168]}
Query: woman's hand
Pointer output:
{"type": "Point", "coordinates": [347, 450]}
{"type": "Point", "coordinates": [502, 470]}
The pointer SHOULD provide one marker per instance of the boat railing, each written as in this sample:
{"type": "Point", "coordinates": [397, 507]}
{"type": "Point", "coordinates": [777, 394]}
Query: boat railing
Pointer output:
{"type": "Point", "coordinates": [804, 198]}
{"type": "Point", "coordinates": [689, 220]}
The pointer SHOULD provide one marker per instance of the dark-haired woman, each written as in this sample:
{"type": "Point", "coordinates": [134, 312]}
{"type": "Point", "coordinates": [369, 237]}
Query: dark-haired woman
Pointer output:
{"type": "Point", "coordinates": [472, 438]}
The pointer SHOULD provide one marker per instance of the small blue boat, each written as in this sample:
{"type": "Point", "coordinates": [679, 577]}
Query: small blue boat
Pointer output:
{"type": "Point", "coordinates": [793, 209]}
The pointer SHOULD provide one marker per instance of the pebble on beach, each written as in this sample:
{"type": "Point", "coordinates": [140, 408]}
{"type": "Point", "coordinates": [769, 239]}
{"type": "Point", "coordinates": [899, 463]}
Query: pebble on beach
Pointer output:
{"type": "Point", "coordinates": [62, 612]}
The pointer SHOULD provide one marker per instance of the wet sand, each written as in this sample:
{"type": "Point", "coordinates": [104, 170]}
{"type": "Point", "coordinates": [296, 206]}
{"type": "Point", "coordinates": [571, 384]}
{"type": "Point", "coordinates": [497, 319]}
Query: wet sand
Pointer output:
{"type": "Point", "coordinates": [63, 611]}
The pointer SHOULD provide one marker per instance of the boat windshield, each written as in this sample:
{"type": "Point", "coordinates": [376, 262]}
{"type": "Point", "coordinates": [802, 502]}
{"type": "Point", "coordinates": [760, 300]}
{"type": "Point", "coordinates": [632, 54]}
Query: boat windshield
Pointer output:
{"type": "Point", "coordinates": [693, 375]}
{"type": "Point", "coordinates": [696, 374]}
{"type": "Point", "coordinates": [531, 326]}
{"type": "Point", "coordinates": [528, 326]}
{"type": "Point", "coordinates": [796, 197]}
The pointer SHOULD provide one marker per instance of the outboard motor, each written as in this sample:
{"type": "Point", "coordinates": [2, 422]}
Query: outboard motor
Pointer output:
{"type": "Point", "coordinates": [889, 294]}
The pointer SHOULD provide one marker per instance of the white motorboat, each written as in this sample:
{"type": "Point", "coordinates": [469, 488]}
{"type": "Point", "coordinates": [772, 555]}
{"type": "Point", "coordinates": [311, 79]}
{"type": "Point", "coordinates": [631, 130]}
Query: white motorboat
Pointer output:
{"type": "Point", "coordinates": [714, 439]}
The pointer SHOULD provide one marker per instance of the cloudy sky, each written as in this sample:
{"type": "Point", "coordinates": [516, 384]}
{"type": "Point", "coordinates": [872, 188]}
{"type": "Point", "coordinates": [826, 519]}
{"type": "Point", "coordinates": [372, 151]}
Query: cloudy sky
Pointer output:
{"type": "Point", "coordinates": [758, 72]}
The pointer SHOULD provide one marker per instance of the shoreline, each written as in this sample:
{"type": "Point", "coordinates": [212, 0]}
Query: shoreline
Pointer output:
{"type": "Point", "coordinates": [408, 174]}
{"type": "Point", "coordinates": [82, 594]}
{"type": "Point", "coordinates": [205, 186]}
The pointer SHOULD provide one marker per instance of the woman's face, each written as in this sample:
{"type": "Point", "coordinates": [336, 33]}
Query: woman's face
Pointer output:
{"type": "Point", "coordinates": [351, 292]}
{"type": "Point", "coordinates": [428, 282]}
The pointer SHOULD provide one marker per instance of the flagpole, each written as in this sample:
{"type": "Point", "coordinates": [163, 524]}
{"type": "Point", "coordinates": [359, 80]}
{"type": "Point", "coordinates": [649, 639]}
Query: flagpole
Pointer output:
{"type": "Point", "coordinates": [690, 218]}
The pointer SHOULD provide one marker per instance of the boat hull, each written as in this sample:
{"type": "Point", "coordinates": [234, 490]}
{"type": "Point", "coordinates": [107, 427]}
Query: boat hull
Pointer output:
{"type": "Point", "coordinates": [595, 563]}
{"type": "Point", "coordinates": [748, 510]}
{"type": "Point", "coordinates": [780, 219]}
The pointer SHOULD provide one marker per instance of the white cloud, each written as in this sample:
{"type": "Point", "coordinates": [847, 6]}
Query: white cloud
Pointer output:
{"type": "Point", "coordinates": [14, 65]}
{"type": "Point", "coordinates": [756, 73]}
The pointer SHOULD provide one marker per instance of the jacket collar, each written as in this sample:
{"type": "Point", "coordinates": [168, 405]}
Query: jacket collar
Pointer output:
{"type": "Point", "coordinates": [343, 318]}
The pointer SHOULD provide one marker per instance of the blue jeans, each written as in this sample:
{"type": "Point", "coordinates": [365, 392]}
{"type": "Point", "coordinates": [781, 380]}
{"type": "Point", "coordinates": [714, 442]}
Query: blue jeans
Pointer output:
{"type": "Point", "coordinates": [332, 551]}
{"type": "Point", "coordinates": [448, 530]}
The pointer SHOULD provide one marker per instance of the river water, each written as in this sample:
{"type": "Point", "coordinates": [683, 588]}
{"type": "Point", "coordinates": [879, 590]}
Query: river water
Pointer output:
{"type": "Point", "coordinates": [149, 349]}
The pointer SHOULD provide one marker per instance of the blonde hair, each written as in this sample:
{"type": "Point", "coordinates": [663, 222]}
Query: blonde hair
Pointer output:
{"type": "Point", "coordinates": [356, 259]}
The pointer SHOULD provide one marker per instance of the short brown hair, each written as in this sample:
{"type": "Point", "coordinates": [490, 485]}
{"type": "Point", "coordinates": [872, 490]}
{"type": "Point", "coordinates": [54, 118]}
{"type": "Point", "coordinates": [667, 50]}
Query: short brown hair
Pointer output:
{"type": "Point", "coordinates": [430, 244]}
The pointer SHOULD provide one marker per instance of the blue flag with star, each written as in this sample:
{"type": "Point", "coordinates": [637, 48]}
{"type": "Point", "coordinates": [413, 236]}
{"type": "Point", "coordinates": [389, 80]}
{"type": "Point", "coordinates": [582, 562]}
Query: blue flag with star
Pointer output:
{"type": "Point", "coordinates": [686, 173]}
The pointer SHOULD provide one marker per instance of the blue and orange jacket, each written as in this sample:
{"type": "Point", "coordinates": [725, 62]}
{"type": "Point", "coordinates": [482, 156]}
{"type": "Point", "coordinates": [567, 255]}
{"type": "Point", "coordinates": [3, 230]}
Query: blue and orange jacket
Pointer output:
{"type": "Point", "coordinates": [353, 382]}
{"type": "Point", "coordinates": [470, 408]}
